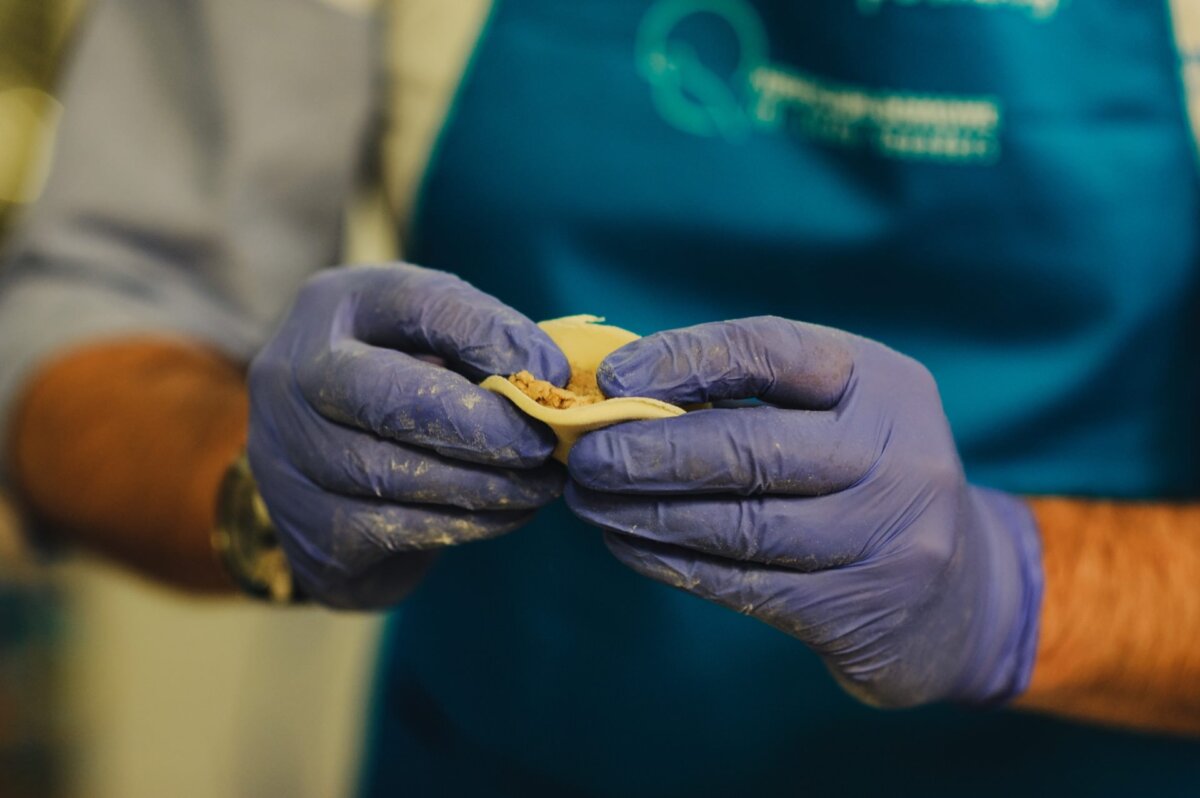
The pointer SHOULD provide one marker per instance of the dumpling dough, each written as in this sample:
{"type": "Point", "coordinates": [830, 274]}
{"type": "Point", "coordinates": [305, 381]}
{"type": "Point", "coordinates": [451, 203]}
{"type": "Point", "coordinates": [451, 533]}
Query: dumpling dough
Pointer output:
{"type": "Point", "coordinates": [585, 343]}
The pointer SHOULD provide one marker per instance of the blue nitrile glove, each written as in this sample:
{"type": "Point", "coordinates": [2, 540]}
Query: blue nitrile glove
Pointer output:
{"type": "Point", "coordinates": [370, 458]}
{"type": "Point", "coordinates": [838, 513]}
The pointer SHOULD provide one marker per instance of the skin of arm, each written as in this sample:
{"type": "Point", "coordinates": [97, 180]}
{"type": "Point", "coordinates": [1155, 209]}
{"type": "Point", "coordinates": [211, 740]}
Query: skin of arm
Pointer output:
{"type": "Point", "coordinates": [1120, 614]}
{"type": "Point", "coordinates": [120, 446]}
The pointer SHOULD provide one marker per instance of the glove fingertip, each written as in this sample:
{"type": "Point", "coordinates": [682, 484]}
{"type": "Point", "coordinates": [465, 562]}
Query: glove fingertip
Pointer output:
{"type": "Point", "coordinates": [587, 462]}
{"type": "Point", "coordinates": [524, 444]}
{"type": "Point", "coordinates": [622, 372]}
{"type": "Point", "coordinates": [574, 497]}
{"type": "Point", "coordinates": [548, 361]}
{"type": "Point", "coordinates": [537, 446]}
{"type": "Point", "coordinates": [649, 559]}
{"type": "Point", "coordinates": [523, 346]}
{"type": "Point", "coordinates": [669, 366]}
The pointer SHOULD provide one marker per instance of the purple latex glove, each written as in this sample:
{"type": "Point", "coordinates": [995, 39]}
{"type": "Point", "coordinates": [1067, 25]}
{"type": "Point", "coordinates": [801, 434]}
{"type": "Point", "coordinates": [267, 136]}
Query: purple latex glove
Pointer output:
{"type": "Point", "coordinates": [838, 513]}
{"type": "Point", "coordinates": [369, 457]}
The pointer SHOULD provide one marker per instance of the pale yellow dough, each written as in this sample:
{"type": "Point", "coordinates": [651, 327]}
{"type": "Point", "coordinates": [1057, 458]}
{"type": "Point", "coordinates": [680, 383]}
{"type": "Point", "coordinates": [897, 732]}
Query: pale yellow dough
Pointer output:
{"type": "Point", "coordinates": [585, 343]}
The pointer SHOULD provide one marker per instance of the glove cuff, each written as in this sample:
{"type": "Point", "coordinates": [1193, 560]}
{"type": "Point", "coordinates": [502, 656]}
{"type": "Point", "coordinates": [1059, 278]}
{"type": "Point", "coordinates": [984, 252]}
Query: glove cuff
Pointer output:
{"type": "Point", "coordinates": [1010, 607]}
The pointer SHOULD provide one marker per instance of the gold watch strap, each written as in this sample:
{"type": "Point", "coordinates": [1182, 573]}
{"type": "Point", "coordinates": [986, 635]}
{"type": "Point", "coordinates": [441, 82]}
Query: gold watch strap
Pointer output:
{"type": "Point", "coordinates": [246, 541]}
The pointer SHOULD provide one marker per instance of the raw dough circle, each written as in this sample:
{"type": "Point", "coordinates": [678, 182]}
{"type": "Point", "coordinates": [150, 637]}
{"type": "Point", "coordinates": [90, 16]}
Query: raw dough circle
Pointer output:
{"type": "Point", "coordinates": [585, 343]}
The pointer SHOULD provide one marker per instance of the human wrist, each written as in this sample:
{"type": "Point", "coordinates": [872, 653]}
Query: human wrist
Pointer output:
{"type": "Point", "coordinates": [227, 441]}
{"type": "Point", "coordinates": [246, 543]}
{"type": "Point", "coordinates": [1008, 586]}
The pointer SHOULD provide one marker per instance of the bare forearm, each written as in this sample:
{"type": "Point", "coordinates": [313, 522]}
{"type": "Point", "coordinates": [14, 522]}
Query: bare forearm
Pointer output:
{"type": "Point", "coordinates": [120, 446]}
{"type": "Point", "coordinates": [1120, 628]}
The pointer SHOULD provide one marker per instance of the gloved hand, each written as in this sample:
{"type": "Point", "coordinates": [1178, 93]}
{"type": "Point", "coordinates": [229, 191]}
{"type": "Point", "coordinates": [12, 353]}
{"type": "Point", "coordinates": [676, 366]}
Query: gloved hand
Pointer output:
{"type": "Point", "coordinates": [838, 513]}
{"type": "Point", "coordinates": [370, 457]}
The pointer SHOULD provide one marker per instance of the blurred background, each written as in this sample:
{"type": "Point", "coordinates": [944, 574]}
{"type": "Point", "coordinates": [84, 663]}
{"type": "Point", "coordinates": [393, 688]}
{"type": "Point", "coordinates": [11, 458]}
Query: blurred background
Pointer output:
{"type": "Point", "coordinates": [109, 686]}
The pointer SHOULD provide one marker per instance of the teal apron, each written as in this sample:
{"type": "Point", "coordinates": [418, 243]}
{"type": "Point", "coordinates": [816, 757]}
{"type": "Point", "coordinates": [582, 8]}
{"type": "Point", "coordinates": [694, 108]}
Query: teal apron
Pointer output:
{"type": "Point", "coordinates": [1004, 190]}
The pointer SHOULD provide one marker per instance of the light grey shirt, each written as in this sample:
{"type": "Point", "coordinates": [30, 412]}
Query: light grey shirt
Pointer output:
{"type": "Point", "coordinates": [207, 152]}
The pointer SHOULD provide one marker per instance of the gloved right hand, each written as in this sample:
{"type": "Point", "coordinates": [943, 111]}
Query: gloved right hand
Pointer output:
{"type": "Point", "coordinates": [370, 457]}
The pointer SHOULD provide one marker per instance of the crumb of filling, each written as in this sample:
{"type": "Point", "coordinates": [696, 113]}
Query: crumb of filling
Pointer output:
{"type": "Point", "coordinates": [581, 390]}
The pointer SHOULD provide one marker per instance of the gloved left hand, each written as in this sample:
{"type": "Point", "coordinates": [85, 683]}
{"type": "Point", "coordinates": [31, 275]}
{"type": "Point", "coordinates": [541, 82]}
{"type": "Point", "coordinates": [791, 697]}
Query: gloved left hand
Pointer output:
{"type": "Point", "coordinates": [838, 513]}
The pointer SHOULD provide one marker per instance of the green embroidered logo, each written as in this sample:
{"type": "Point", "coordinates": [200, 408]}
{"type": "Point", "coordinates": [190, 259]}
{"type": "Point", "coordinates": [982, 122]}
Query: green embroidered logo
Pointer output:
{"type": "Point", "coordinates": [1037, 9]}
{"type": "Point", "coordinates": [710, 74]}
{"type": "Point", "coordinates": [688, 93]}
